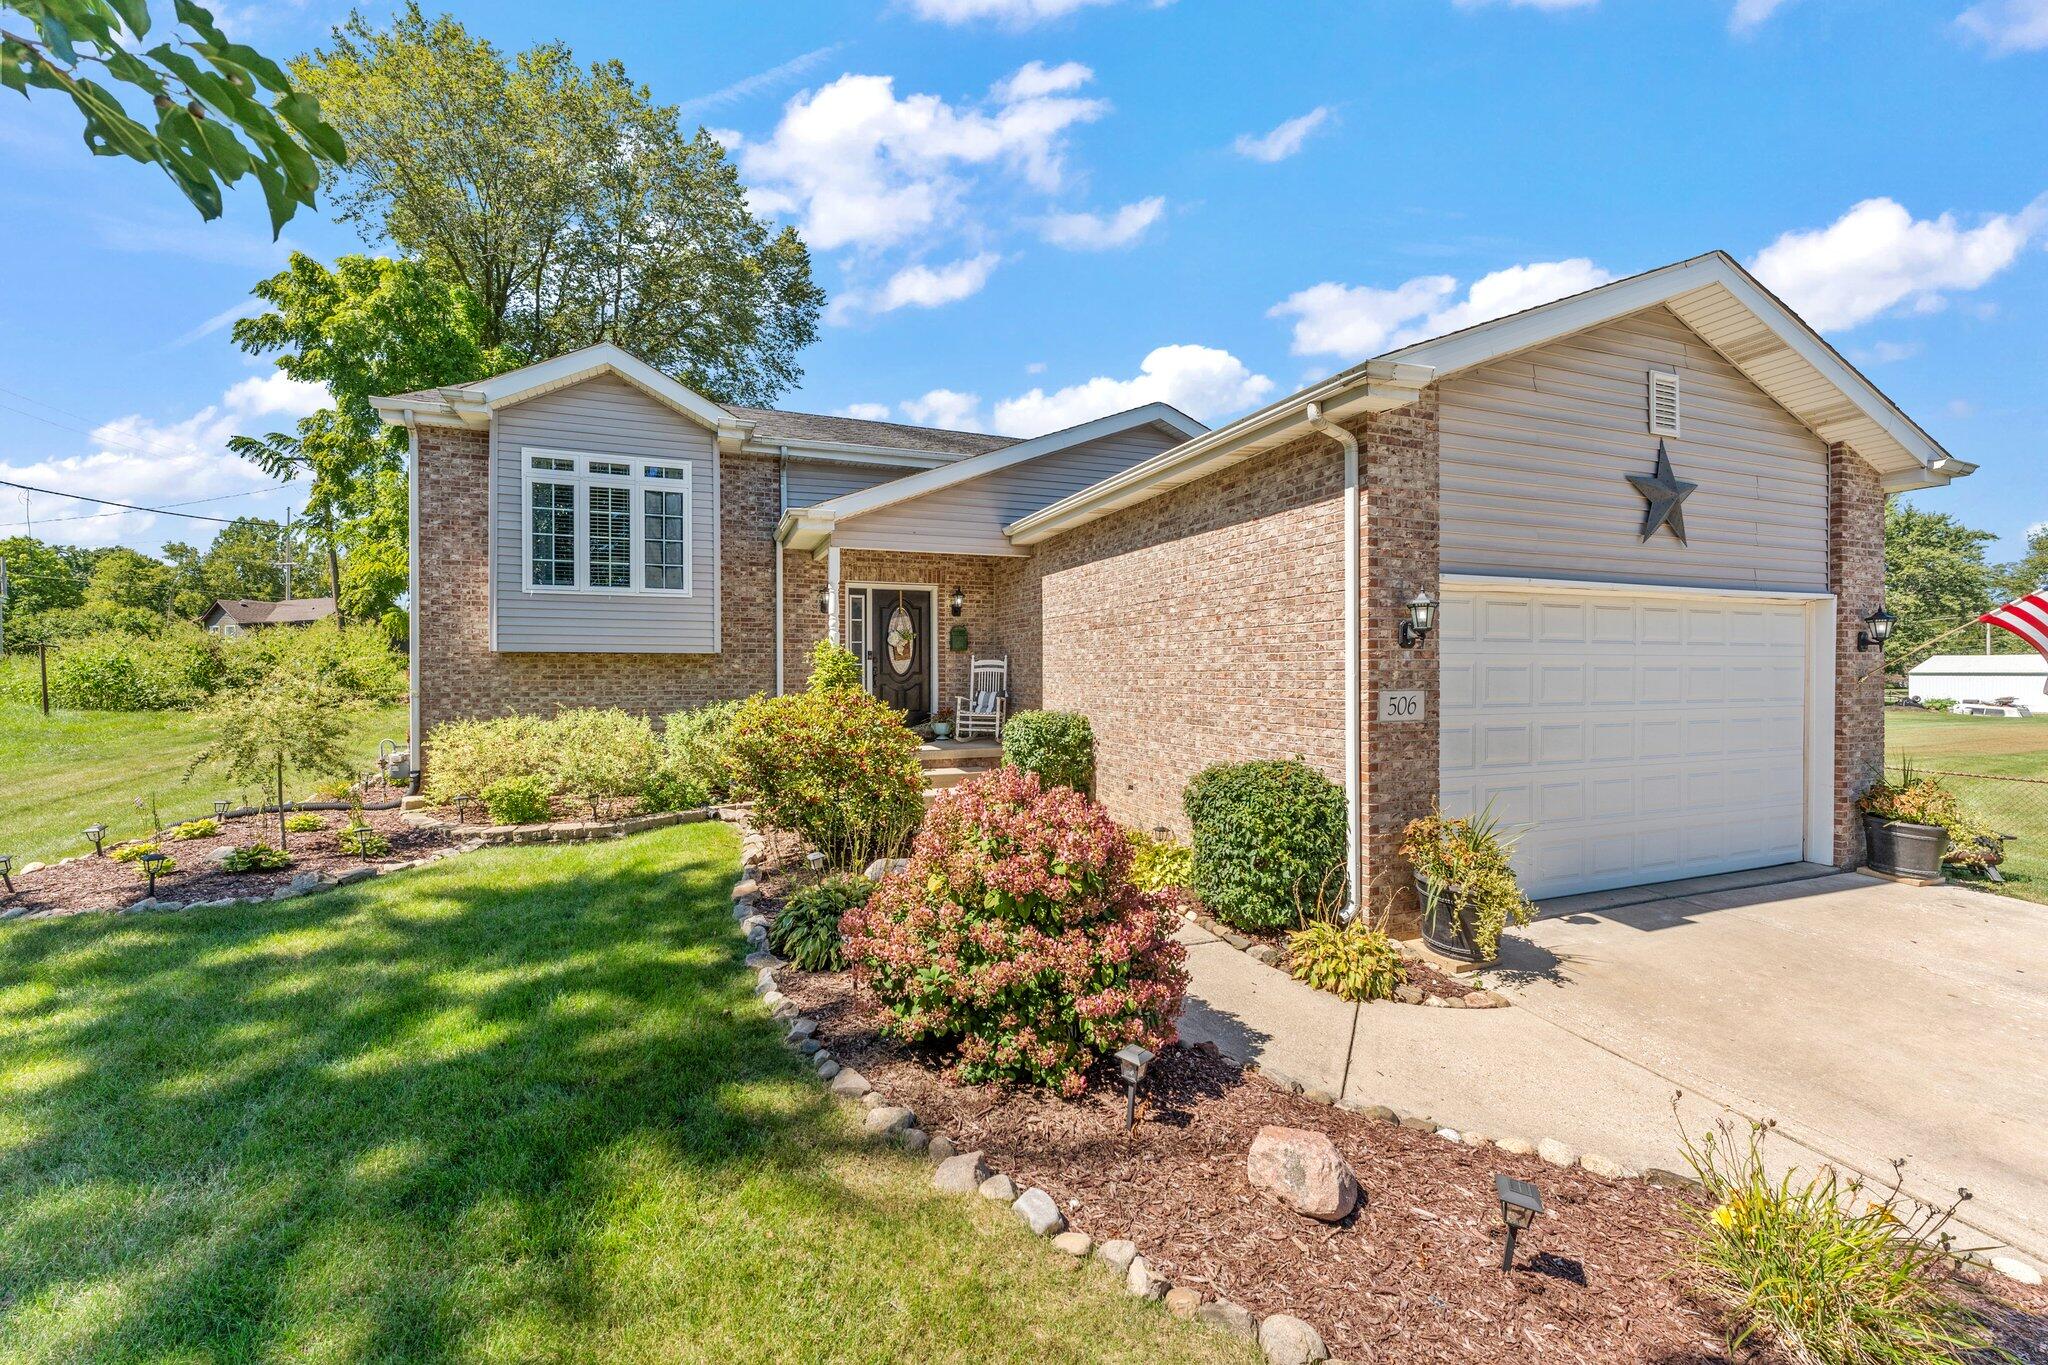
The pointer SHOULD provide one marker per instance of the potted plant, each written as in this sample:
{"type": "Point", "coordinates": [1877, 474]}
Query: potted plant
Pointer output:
{"type": "Point", "coordinates": [1913, 825]}
{"type": "Point", "coordinates": [1468, 889]}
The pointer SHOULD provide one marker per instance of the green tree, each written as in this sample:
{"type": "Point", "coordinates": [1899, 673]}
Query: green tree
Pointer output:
{"type": "Point", "coordinates": [39, 577]}
{"type": "Point", "coordinates": [2030, 573]}
{"type": "Point", "coordinates": [1936, 577]}
{"type": "Point", "coordinates": [571, 206]}
{"type": "Point", "coordinates": [129, 578]}
{"type": "Point", "coordinates": [244, 561]}
{"type": "Point", "coordinates": [366, 326]}
{"type": "Point", "coordinates": [223, 110]}
{"type": "Point", "coordinates": [289, 722]}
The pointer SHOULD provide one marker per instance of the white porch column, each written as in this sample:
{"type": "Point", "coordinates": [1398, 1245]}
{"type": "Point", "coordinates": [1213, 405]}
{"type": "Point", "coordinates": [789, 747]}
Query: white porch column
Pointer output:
{"type": "Point", "coordinates": [832, 595]}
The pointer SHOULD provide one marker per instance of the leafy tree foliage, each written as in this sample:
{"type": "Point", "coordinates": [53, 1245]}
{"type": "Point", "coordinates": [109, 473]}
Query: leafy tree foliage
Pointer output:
{"type": "Point", "coordinates": [291, 722]}
{"type": "Point", "coordinates": [570, 205]}
{"type": "Point", "coordinates": [129, 578]}
{"type": "Point", "coordinates": [2030, 574]}
{"type": "Point", "coordinates": [223, 110]}
{"type": "Point", "coordinates": [39, 577]}
{"type": "Point", "coordinates": [1936, 577]}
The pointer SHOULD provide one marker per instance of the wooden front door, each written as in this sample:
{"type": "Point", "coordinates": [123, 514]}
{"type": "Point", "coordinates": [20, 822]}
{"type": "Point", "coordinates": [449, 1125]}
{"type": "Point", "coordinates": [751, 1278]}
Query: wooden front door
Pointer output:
{"type": "Point", "coordinates": [899, 652]}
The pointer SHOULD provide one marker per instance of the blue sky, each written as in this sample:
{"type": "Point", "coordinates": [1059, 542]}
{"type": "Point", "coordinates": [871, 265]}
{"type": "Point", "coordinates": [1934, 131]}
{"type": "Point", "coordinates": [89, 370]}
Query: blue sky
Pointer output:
{"type": "Point", "coordinates": [1031, 211]}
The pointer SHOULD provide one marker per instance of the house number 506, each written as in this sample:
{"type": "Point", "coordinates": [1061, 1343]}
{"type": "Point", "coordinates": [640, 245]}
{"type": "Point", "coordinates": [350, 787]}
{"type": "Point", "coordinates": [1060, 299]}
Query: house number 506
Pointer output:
{"type": "Point", "coordinates": [1401, 705]}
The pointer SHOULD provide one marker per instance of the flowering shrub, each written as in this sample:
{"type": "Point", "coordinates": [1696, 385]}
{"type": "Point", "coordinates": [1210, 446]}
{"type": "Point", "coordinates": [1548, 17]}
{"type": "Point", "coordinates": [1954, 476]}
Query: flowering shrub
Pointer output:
{"type": "Point", "coordinates": [834, 766]}
{"type": "Point", "coordinates": [1016, 934]}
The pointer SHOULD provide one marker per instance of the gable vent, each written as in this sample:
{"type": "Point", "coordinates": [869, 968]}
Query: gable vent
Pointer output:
{"type": "Point", "coordinates": [1663, 403]}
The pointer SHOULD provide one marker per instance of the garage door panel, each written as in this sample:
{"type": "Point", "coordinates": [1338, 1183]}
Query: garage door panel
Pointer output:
{"type": "Point", "coordinates": [1629, 740]}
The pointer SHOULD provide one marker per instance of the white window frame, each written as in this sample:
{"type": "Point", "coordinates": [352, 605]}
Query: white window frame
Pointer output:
{"type": "Point", "coordinates": [583, 478]}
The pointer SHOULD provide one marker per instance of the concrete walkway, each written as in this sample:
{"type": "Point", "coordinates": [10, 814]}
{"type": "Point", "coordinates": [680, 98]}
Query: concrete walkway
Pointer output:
{"type": "Point", "coordinates": [1871, 1020]}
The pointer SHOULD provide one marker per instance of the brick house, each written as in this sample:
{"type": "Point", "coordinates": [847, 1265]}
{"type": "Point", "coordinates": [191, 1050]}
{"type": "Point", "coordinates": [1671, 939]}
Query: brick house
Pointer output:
{"type": "Point", "coordinates": [1649, 518]}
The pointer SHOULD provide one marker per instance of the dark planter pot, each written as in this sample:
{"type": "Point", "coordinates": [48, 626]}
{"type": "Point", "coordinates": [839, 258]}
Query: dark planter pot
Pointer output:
{"type": "Point", "coordinates": [1903, 849]}
{"type": "Point", "coordinates": [1441, 931]}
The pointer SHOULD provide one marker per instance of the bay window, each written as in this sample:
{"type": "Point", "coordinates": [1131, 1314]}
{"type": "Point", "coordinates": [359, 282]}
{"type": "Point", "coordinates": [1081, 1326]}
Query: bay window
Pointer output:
{"type": "Point", "coordinates": [581, 529]}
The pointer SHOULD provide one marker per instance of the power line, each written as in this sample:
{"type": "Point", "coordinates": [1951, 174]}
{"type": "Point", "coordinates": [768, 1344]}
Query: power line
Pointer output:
{"type": "Point", "coordinates": [109, 502]}
{"type": "Point", "coordinates": [186, 502]}
{"type": "Point", "coordinates": [82, 431]}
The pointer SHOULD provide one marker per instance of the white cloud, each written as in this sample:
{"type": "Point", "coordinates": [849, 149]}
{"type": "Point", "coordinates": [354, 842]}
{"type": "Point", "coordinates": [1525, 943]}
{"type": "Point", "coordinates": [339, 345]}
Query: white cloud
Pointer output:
{"type": "Point", "coordinates": [1960, 408]}
{"type": "Point", "coordinates": [917, 286]}
{"type": "Point", "coordinates": [134, 459]}
{"type": "Point", "coordinates": [247, 308]}
{"type": "Point", "coordinates": [1887, 352]}
{"type": "Point", "coordinates": [858, 166]}
{"type": "Point", "coordinates": [1748, 15]}
{"type": "Point", "coordinates": [1200, 380]}
{"type": "Point", "coordinates": [866, 412]}
{"type": "Point", "coordinates": [753, 85]}
{"type": "Point", "coordinates": [1877, 257]}
{"type": "Point", "coordinates": [1010, 13]}
{"type": "Point", "coordinates": [1103, 232]}
{"type": "Point", "coordinates": [1356, 321]}
{"type": "Point", "coordinates": [1283, 141]}
{"type": "Point", "coordinates": [947, 408]}
{"type": "Point", "coordinates": [2007, 26]}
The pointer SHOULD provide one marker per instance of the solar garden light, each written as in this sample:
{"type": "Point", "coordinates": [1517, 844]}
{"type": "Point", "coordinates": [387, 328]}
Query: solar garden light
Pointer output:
{"type": "Point", "coordinates": [150, 863]}
{"type": "Point", "coordinates": [1421, 620]}
{"type": "Point", "coordinates": [1520, 1202]}
{"type": "Point", "coordinates": [815, 860]}
{"type": "Point", "coordinates": [220, 809]}
{"type": "Point", "coordinates": [1133, 1062]}
{"type": "Point", "coordinates": [98, 834]}
{"type": "Point", "coordinates": [7, 871]}
{"type": "Point", "coordinates": [1880, 623]}
{"type": "Point", "coordinates": [462, 804]}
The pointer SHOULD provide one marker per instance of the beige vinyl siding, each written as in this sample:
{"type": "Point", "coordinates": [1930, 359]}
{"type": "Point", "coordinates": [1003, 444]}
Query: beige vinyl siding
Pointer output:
{"type": "Point", "coordinates": [813, 481]}
{"type": "Point", "coordinates": [968, 518]}
{"type": "Point", "coordinates": [1536, 450]}
{"type": "Point", "coordinates": [601, 416]}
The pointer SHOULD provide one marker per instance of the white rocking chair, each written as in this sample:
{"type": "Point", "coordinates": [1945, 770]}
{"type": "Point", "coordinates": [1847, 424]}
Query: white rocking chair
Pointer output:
{"type": "Point", "coordinates": [980, 712]}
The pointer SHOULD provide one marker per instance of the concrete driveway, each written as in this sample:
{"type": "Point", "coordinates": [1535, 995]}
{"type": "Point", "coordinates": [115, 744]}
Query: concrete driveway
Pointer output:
{"type": "Point", "coordinates": [1871, 1020]}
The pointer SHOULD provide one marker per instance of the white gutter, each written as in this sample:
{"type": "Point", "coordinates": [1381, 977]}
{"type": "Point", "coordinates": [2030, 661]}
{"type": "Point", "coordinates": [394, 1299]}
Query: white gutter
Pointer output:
{"type": "Point", "coordinates": [415, 741]}
{"type": "Point", "coordinates": [1353, 777]}
{"type": "Point", "coordinates": [782, 503]}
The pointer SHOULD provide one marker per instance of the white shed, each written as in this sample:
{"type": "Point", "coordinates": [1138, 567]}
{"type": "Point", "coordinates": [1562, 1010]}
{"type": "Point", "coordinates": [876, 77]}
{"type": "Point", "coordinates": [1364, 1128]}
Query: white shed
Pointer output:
{"type": "Point", "coordinates": [1980, 677]}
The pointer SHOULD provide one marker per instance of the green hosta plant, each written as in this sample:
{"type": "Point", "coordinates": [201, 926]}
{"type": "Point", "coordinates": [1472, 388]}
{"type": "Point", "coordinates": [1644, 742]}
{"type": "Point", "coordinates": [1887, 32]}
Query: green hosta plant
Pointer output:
{"type": "Point", "coordinates": [362, 841]}
{"type": "Point", "coordinates": [163, 869]}
{"type": "Point", "coordinates": [1354, 960]}
{"type": "Point", "coordinates": [1826, 1269]}
{"type": "Point", "coordinates": [304, 823]}
{"type": "Point", "coordinates": [257, 857]}
{"type": "Point", "coordinates": [1469, 886]}
{"type": "Point", "coordinates": [807, 930]}
{"type": "Point", "coordinates": [195, 829]}
{"type": "Point", "coordinates": [128, 853]}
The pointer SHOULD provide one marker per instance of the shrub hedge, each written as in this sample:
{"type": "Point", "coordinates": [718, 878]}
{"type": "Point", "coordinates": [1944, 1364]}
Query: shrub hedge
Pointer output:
{"type": "Point", "coordinates": [517, 800]}
{"type": "Point", "coordinates": [693, 745]}
{"type": "Point", "coordinates": [835, 767]}
{"type": "Point", "coordinates": [1269, 842]}
{"type": "Point", "coordinates": [178, 666]}
{"type": "Point", "coordinates": [1057, 745]}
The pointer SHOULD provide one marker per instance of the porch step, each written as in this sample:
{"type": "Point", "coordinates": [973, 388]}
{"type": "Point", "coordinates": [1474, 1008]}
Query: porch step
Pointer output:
{"type": "Point", "coordinates": [971, 754]}
{"type": "Point", "coordinates": [938, 779]}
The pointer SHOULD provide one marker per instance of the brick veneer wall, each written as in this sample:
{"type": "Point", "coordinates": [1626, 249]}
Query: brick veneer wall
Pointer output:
{"type": "Point", "coordinates": [803, 625]}
{"type": "Point", "coordinates": [1856, 573]}
{"type": "Point", "coordinates": [460, 675]}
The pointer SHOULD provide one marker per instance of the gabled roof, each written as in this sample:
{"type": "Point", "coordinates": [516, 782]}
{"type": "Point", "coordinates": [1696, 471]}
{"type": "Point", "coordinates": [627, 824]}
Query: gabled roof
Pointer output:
{"type": "Point", "coordinates": [1712, 294]}
{"type": "Point", "coordinates": [773, 426]}
{"type": "Point", "coordinates": [248, 611]}
{"type": "Point", "coordinates": [804, 528]}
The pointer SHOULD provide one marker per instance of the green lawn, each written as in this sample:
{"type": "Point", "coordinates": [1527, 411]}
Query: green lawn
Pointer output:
{"type": "Point", "coordinates": [72, 768]}
{"type": "Point", "coordinates": [521, 1105]}
{"type": "Point", "coordinates": [1990, 747]}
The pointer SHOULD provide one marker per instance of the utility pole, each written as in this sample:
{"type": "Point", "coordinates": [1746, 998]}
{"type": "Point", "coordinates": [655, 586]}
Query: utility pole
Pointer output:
{"type": "Point", "coordinates": [284, 553]}
{"type": "Point", "coordinates": [3, 603]}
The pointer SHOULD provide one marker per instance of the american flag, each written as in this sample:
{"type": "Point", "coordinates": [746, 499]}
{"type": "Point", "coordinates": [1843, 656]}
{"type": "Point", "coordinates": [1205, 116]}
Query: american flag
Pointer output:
{"type": "Point", "coordinates": [2026, 618]}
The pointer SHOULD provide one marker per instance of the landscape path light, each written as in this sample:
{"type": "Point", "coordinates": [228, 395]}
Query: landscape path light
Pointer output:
{"type": "Point", "coordinates": [7, 870]}
{"type": "Point", "coordinates": [150, 863]}
{"type": "Point", "coordinates": [97, 832]}
{"type": "Point", "coordinates": [1520, 1202]}
{"type": "Point", "coordinates": [1133, 1062]}
{"type": "Point", "coordinates": [220, 809]}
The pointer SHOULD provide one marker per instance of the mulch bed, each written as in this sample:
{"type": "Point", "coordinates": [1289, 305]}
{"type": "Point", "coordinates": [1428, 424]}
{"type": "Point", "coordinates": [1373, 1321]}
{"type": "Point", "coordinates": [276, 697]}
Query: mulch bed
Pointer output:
{"type": "Point", "coordinates": [1413, 1275]}
{"type": "Point", "coordinates": [92, 883]}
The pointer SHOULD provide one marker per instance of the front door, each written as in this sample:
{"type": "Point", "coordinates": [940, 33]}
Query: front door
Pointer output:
{"type": "Point", "coordinates": [899, 649]}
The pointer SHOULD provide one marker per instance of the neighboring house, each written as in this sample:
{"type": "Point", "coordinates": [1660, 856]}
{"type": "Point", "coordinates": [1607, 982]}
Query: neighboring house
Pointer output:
{"type": "Point", "coordinates": [233, 615]}
{"type": "Point", "coordinates": [1653, 666]}
{"type": "Point", "coordinates": [1980, 678]}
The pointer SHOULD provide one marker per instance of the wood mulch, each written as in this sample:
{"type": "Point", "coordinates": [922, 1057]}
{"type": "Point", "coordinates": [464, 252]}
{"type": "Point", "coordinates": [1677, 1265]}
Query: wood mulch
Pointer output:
{"type": "Point", "coordinates": [1413, 1275]}
{"type": "Point", "coordinates": [95, 883]}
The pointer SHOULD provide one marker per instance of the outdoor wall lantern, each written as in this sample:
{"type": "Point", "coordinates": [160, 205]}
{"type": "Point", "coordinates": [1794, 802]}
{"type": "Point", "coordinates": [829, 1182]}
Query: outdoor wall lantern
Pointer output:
{"type": "Point", "coordinates": [1880, 623]}
{"type": "Point", "coordinates": [220, 810]}
{"type": "Point", "coordinates": [1520, 1202]}
{"type": "Point", "coordinates": [825, 603]}
{"type": "Point", "coordinates": [1421, 620]}
{"type": "Point", "coordinates": [1133, 1061]}
{"type": "Point", "coordinates": [958, 600]}
{"type": "Point", "coordinates": [150, 863]}
{"type": "Point", "coordinates": [7, 870]}
{"type": "Point", "coordinates": [98, 834]}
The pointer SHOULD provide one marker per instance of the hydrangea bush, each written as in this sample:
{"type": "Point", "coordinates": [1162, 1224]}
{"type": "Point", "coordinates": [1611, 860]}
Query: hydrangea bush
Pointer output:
{"type": "Point", "coordinates": [1017, 935]}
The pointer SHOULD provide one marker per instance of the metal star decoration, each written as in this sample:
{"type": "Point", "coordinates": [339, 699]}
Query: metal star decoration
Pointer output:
{"type": "Point", "coordinates": [1666, 493]}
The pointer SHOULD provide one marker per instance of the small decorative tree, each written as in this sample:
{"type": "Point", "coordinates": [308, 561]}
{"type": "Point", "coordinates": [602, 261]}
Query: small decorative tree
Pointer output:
{"type": "Point", "coordinates": [292, 722]}
{"type": "Point", "coordinates": [833, 668]}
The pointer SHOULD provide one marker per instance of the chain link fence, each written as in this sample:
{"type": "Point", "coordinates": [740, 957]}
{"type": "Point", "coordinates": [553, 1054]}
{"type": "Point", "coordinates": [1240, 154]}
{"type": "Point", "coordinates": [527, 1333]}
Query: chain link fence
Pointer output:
{"type": "Point", "coordinates": [2016, 807]}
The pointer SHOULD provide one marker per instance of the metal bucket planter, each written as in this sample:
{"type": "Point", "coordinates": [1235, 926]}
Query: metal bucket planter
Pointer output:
{"type": "Point", "coordinates": [1443, 931]}
{"type": "Point", "coordinates": [1904, 849]}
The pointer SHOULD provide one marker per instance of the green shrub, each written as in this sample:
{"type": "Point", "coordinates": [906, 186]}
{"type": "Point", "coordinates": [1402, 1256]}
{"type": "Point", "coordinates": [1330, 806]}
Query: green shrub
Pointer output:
{"type": "Point", "coordinates": [1159, 863]}
{"type": "Point", "coordinates": [1016, 936]}
{"type": "Point", "coordinates": [1822, 1269]}
{"type": "Point", "coordinates": [517, 800]}
{"type": "Point", "coordinates": [128, 853]}
{"type": "Point", "coordinates": [1353, 960]}
{"type": "Point", "coordinates": [1469, 886]}
{"type": "Point", "coordinates": [256, 857]}
{"type": "Point", "coordinates": [305, 822]}
{"type": "Point", "coordinates": [362, 841]}
{"type": "Point", "coordinates": [1943, 704]}
{"type": "Point", "coordinates": [1269, 842]}
{"type": "Point", "coordinates": [104, 659]}
{"type": "Point", "coordinates": [122, 672]}
{"type": "Point", "coordinates": [833, 668]}
{"type": "Point", "coordinates": [664, 791]}
{"type": "Point", "coordinates": [1920, 800]}
{"type": "Point", "coordinates": [1057, 745]}
{"type": "Point", "coordinates": [195, 829]}
{"type": "Point", "coordinates": [835, 767]}
{"type": "Point", "coordinates": [693, 745]}
{"type": "Point", "coordinates": [355, 660]}
{"type": "Point", "coordinates": [601, 752]}
{"type": "Point", "coordinates": [465, 756]}
{"type": "Point", "coordinates": [807, 930]}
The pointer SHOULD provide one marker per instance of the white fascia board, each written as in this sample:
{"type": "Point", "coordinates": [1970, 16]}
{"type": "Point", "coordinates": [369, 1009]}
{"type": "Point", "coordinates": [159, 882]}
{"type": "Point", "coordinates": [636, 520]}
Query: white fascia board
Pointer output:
{"type": "Point", "coordinates": [974, 466]}
{"type": "Point", "coordinates": [801, 528]}
{"type": "Point", "coordinates": [1375, 386]}
{"type": "Point", "coordinates": [513, 385]}
{"type": "Point", "coordinates": [1600, 587]}
{"type": "Point", "coordinates": [840, 452]}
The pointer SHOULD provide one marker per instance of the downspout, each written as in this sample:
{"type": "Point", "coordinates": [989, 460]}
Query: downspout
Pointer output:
{"type": "Point", "coordinates": [1353, 796]}
{"type": "Point", "coordinates": [781, 506]}
{"type": "Point", "coordinates": [414, 739]}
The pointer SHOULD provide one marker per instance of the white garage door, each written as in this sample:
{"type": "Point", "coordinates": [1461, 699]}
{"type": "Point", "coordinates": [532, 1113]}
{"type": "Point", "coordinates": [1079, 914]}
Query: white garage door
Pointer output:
{"type": "Point", "coordinates": [1630, 739]}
